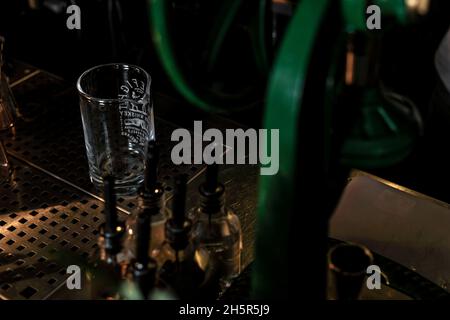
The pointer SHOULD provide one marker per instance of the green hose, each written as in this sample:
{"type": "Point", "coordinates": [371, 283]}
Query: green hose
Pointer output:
{"type": "Point", "coordinates": [222, 25]}
{"type": "Point", "coordinates": [164, 49]}
{"type": "Point", "coordinates": [163, 46]}
{"type": "Point", "coordinates": [276, 192]}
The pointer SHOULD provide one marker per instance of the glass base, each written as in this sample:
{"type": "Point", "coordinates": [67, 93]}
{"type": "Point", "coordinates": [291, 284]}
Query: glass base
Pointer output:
{"type": "Point", "coordinates": [122, 188]}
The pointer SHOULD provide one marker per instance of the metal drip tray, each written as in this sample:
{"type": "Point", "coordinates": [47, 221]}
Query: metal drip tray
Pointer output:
{"type": "Point", "coordinates": [49, 206]}
{"type": "Point", "coordinates": [40, 216]}
{"type": "Point", "coordinates": [51, 136]}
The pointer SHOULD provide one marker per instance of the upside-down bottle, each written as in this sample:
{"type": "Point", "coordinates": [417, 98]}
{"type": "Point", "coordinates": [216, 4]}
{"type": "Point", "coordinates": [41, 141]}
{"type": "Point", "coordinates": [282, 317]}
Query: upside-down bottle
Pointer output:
{"type": "Point", "coordinates": [217, 228]}
{"type": "Point", "coordinates": [107, 267]}
{"type": "Point", "coordinates": [142, 269]}
{"type": "Point", "coordinates": [178, 258]}
{"type": "Point", "coordinates": [151, 203]}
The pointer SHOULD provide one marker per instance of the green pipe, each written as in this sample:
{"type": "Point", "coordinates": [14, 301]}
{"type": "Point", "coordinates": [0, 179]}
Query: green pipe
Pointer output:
{"type": "Point", "coordinates": [162, 42]}
{"type": "Point", "coordinates": [259, 38]}
{"type": "Point", "coordinates": [222, 25]}
{"type": "Point", "coordinates": [276, 196]}
{"type": "Point", "coordinates": [395, 8]}
{"type": "Point", "coordinates": [161, 39]}
{"type": "Point", "coordinates": [353, 12]}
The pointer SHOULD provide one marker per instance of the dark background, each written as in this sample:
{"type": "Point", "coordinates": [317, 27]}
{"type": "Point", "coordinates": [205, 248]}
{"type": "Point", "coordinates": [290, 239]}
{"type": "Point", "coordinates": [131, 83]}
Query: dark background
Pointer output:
{"type": "Point", "coordinates": [118, 31]}
{"type": "Point", "coordinates": [40, 37]}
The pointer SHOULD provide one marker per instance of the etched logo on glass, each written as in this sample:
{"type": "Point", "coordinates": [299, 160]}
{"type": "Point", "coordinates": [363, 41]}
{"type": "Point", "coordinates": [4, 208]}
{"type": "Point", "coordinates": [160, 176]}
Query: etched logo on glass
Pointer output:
{"type": "Point", "coordinates": [134, 112]}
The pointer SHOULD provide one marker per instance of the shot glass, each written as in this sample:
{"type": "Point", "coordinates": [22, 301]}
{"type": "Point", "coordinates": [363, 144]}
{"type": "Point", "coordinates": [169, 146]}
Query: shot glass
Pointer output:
{"type": "Point", "coordinates": [348, 264]}
{"type": "Point", "coordinates": [117, 113]}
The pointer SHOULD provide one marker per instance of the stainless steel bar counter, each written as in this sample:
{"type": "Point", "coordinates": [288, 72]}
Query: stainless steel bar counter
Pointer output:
{"type": "Point", "coordinates": [49, 206]}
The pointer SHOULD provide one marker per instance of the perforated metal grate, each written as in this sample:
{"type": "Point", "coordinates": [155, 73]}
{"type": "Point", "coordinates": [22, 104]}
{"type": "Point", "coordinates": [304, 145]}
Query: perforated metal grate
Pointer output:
{"type": "Point", "coordinates": [53, 139]}
{"type": "Point", "coordinates": [48, 207]}
{"type": "Point", "coordinates": [40, 216]}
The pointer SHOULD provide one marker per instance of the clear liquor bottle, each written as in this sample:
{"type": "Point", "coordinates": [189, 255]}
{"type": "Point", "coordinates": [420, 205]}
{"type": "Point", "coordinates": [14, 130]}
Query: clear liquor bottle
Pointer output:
{"type": "Point", "coordinates": [178, 258]}
{"type": "Point", "coordinates": [107, 268]}
{"type": "Point", "coordinates": [143, 268]}
{"type": "Point", "coordinates": [151, 203]}
{"type": "Point", "coordinates": [217, 229]}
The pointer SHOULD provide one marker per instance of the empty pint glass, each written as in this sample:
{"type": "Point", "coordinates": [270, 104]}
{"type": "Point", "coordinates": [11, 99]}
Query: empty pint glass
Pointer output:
{"type": "Point", "coordinates": [117, 114]}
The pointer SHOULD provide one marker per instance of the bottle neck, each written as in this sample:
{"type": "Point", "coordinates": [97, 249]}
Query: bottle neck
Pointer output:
{"type": "Point", "coordinates": [213, 202]}
{"type": "Point", "coordinates": [110, 244]}
{"type": "Point", "coordinates": [178, 236]}
{"type": "Point", "coordinates": [144, 276]}
{"type": "Point", "coordinates": [144, 267]}
{"type": "Point", "coordinates": [152, 201]}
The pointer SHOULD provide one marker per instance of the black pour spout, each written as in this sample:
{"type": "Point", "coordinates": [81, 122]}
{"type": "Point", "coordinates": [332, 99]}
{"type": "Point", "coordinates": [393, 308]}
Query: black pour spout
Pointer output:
{"type": "Point", "coordinates": [111, 230]}
{"type": "Point", "coordinates": [151, 167]}
{"type": "Point", "coordinates": [212, 191]}
{"type": "Point", "coordinates": [178, 227]}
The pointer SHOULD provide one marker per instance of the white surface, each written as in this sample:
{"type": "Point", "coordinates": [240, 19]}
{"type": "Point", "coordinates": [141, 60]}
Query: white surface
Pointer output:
{"type": "Point", "coordinates": [409, 229]}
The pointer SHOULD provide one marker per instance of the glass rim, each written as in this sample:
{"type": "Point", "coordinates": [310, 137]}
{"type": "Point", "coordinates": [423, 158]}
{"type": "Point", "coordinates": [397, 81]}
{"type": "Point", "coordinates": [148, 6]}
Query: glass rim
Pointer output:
{"type": "Point", "coordinates": [363, 249]}
{"type": "Point", "coordinates": [111, 100]}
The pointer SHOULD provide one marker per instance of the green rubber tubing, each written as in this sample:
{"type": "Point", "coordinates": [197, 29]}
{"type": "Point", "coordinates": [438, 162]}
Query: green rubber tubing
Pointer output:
{"type": "Point", "coordinates": [276, 193]}
{"type": "Point", "coordinates": [221, 27]}
{"type": "Point", "coordinates": [163, 46]}
{"type": "Point", "coordinates": [161, 39]}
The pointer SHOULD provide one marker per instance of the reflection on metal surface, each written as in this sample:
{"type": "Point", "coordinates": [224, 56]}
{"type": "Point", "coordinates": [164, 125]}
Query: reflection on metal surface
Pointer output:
{"type": "Point", "coordinates": [63, 180]}
{"type": "Point", "coordinates": [397, 223]}
{"type": "Point", "coordinates": [25, 78]}
{"type": "Point", "coordinates": [385, 293]}
{"type": "Point", "coordinates": [357, 173]}
{"type": "Point", "coordinates": [39, 218]}
{"type": "Point", "coordinates": [48, 205]}
{"type": "Point", "coordinates": [54, 141]}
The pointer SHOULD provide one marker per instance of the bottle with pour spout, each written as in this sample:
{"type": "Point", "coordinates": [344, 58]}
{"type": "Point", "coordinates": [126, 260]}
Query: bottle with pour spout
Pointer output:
{"type": "Point", "coordinates": [179, 259]}
{"type": "Point", "coordinates": [107, 267]}
{"type": "Point", "coordinates": [217, 228]}
{"type": "Point", "coordinates": [151, 202]}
